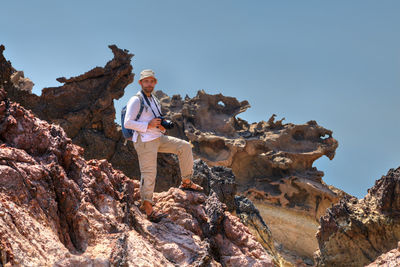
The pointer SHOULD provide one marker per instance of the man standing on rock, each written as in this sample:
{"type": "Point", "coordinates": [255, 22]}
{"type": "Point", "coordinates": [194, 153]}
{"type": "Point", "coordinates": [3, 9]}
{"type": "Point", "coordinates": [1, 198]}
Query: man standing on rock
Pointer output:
{"type": "Point", "coordinates": [149, 138]}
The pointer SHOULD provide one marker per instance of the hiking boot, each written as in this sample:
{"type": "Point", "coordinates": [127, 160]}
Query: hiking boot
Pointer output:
{"type": "Point", "coordinates": [156, 217]}
{"type": "Point", "coordinates": [189, 185]}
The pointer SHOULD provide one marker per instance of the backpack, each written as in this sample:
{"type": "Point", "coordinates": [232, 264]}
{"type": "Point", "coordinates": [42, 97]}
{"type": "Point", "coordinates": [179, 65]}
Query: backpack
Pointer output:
{"type": "Point", "coordinates": [128, 133]}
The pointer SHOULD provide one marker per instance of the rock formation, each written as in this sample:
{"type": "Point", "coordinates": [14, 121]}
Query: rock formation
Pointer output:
{"type": "Point", "coordinates": [355, 232]}
{"type": "Point", "coordinates": [273, 157]}
{"type": "Point", "coordinates": [62, 205]}
{"type": "Point", "coordinates": [57, 209]}
{"type": "Point", "coordinates": [84, 108]}
{"type": "Point", "coordinates": [251, 217]}
{"type": "Point", "coordinates": [218, 180]}
{"type": "Point", "coordinates": [19, 81]}
{"type": "Point", "coordinates": [272, 161]}
{"type": "Point", "coordinates": [391, 258]}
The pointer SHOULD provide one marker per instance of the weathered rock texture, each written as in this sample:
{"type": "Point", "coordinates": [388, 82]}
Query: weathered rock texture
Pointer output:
{"type": "Point", "coordinates": [251, 217]}
{"type": "Point", "coordinates": [272, 161]}
{"type": "Point", "coordinates": [19, 81]}
{"type": "Point", "coordinates": [391, 258]}
{"type": "Point", "coordinates": [355, 232]}
{"type": "Point", "coordinates": [56, 209]}
{"type": "Point", "coordinates": [274, 157]}
{"type": "Point", "coordinates": [218, 180]}
{"type": "Point", "coordinates": [84, 108]}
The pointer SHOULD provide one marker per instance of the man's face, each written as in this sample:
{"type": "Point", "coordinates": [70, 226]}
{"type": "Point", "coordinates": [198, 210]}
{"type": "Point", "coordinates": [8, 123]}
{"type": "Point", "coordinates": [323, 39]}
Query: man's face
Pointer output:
{"type": "Point", "coordinates": [148, 84]}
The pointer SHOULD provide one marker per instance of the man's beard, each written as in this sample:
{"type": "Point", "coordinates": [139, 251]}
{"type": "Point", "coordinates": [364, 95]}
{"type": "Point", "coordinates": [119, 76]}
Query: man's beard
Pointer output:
{"type": "Point", "coordinates": [148, 89]}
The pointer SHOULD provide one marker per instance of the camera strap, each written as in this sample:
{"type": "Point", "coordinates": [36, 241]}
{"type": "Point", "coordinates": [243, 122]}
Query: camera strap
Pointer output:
{"type": "Point", "coordinates": [155, 104]}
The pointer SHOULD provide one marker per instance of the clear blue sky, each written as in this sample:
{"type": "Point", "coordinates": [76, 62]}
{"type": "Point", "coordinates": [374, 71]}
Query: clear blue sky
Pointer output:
{"type": "Point", "coordinates": [336, 62]}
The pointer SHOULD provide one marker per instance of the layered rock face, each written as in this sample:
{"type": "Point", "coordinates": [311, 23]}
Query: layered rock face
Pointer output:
{"type": "Point", "coordinates": [56, 209]}
{"type": "Point", "coordinates": [355, 232]}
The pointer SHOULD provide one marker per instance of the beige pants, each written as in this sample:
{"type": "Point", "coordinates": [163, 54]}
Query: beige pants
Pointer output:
{"type": "Point", "coordinates": [147, 153]}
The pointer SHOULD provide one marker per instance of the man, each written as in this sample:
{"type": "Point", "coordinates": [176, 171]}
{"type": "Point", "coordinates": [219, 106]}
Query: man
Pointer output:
{"type": "Point", "coordinates": [149, 139]}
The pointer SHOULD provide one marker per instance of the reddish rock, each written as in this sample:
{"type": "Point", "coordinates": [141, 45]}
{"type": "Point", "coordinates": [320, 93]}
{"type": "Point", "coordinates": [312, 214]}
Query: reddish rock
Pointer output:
{"type": "Point", "coordinates": [389, 259]}
{"type": "Point", "coordinates": [229, 240]}
{"type": "Point", "coordinates": [57, 209]}
{"type": "Point", "coordinates": [83, 106]}
{"type": "Point", "coordinates": [270, 157]}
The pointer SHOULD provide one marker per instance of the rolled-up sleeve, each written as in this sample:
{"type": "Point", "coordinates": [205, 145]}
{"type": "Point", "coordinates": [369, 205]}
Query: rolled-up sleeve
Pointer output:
{"type": "Point", "coordinates": [132, 109]}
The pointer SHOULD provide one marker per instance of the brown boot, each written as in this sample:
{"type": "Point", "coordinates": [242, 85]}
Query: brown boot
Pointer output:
{"type": "Point", "coordinates": [188, 184]}
{"type": "Point", "coordinates": [146, 207]}
{"type": "Point", "coordinates": [152, 215]}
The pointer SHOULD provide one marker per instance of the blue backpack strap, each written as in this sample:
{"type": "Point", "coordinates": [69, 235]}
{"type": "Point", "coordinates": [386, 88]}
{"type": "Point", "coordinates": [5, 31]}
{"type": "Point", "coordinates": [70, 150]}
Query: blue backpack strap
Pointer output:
{"type": "Point", "coordinates": [128, 133]}
{"type": "Point", "coordinates": [141, 106]}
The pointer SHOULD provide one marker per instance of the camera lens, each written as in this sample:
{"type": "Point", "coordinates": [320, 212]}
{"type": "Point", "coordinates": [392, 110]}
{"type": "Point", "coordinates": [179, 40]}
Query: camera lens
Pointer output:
{"type": "Point", "coordinates": [167, 124]}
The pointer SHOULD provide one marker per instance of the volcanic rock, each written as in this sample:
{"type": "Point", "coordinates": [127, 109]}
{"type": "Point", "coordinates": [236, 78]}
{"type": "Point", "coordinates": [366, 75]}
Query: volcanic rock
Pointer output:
{"type": "Point", "coordinates": [272, 161]}
{"type": "Point", "coordinates": [218, 179]}
{"type": "Point", "coordinates": [57, 209]}
{"type": "Point", "coordinates": [251, 217]}
{"type": "Point", "coordinates": [355, 232]}
{"type": "Point", "coordinates": [391, 258]}
{"type": "Point", "coordinates": [84, 108]}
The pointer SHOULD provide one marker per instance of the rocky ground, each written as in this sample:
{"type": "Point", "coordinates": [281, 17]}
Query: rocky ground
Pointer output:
{"type": "Point", "coordinates": [57, 209]}
{"type": "Point", "coordinates": [272, 161]}
{"type": "Point", "coordinates": [80, 200]}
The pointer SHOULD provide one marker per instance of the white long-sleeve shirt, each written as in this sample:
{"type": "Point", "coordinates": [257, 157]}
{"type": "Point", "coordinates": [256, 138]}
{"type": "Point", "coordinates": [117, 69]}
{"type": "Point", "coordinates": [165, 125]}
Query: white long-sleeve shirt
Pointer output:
{"type": "Point", "coordinates": [141, 125]}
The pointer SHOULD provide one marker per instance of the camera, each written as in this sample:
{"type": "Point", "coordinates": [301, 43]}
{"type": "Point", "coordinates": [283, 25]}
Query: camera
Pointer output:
{"type": "Point", "coordinates": [167, 124]}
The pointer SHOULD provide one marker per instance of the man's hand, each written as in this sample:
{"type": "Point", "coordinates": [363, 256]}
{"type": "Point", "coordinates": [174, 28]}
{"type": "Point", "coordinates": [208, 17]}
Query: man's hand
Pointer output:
{"type": "Point", "coordinates": [162, 129]}
{"type": "Point", "coordinates": [154, 123]}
